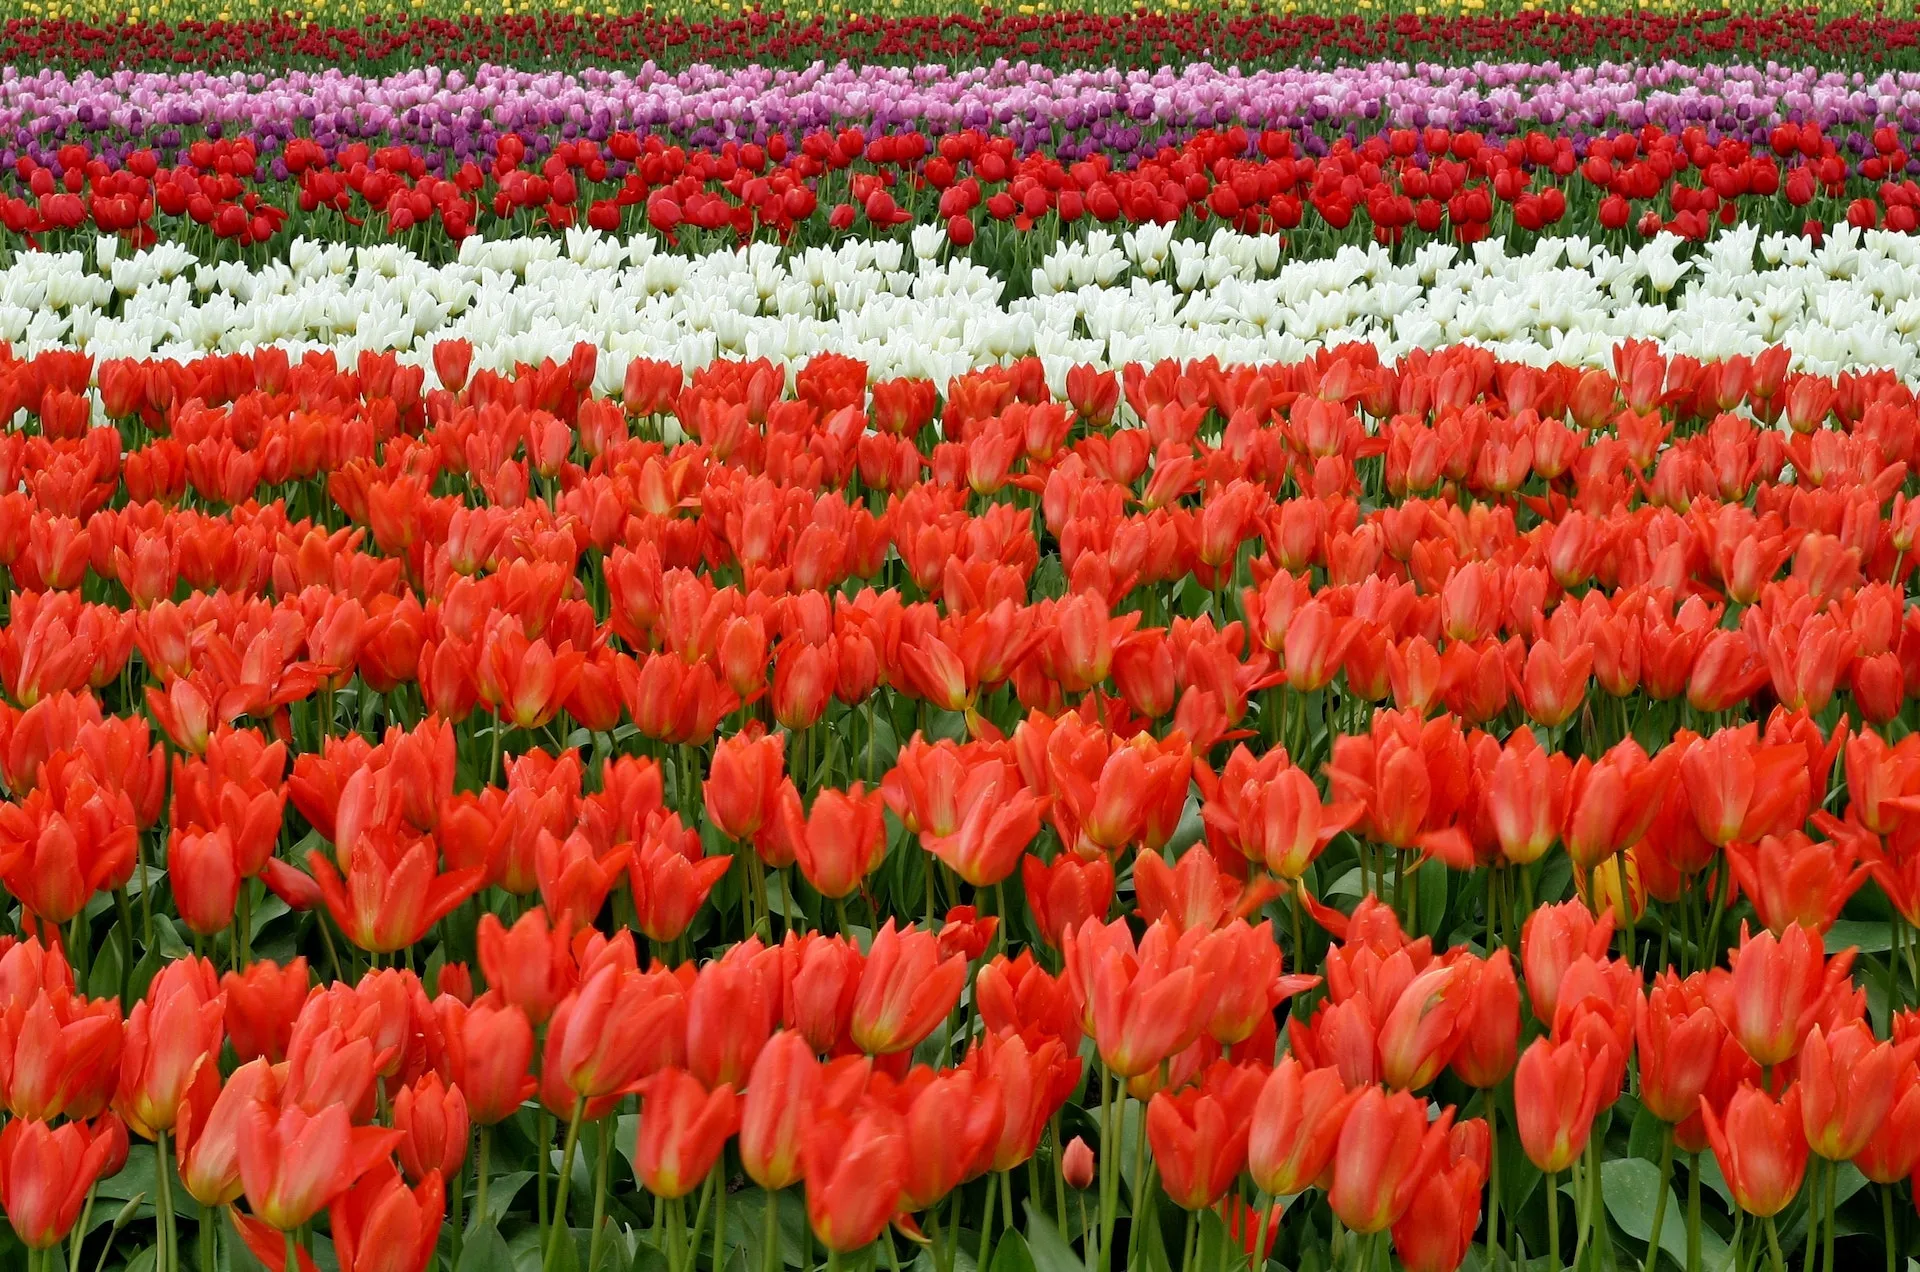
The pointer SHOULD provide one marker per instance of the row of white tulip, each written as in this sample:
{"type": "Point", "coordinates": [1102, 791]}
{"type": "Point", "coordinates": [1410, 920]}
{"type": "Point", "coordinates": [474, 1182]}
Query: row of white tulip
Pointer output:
{"type": "Point", "coordinates": [917, 308]}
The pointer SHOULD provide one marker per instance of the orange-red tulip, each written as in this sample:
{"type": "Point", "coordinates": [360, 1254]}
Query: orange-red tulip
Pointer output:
{"type": "Point", "coordinates": [294, 1164]}
{"type": "Point", "coordinates": [490, 1051]}
{"type": "Point", "coordinates": [45, 1175]}
{"type": "Point", "coordinates": [906, 990]}
{"type": "Point", "coordinates": [683, 1127]}
{"type": "Point", "coordinates": [432, 1119]}
{"type": "Point", "coordinates": [1760, 1146]}
{"type": "Point", "coordinates": [1388, 1148]}
{"type": "Point", "coordinates": [777, 1109]}
{"type": "Point", "coordinates": [207, 1140]}
{"type": "Point", "coordinates": [1778, 989]}
{"type": "Point", "coordinates": [1847, 1084]}
{"type": "Point", "coordinates": [1557, 1088]}
{"type": "Point", "coordinates": [856, 1169]}
{"type": "Point", "coordinates": [172, 1035]}
{"type": "Point", "coordinates": [1295, 1126]}
{"type": "Point", "coordinates": [1199, 1135]}
{"type": "Point", "coordinates": [262, 1001]}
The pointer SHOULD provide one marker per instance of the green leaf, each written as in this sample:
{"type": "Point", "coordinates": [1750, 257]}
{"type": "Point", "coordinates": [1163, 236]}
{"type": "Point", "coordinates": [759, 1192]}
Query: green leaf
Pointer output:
{"type": "Point", "coordinates": [1867, 936]}
{"type": "Point", "coordinates": [1049, 1249]}
{"type": "Point", "coordinates": [1011, 1255]}
{"type": "Point", "coordinates": [485, 1251]}
{"type": "Point", "coordinates": [1647, 1135]}
{"type": "Point", "coordinates": [747, 1225]}
{"type": "Point", "coordinates": [1631, 1187]}
{"type": "Point", "coordinates": [166, 938]}
{"type": "Point", "coordinates": [501, 1191]}
{"type": "Point", "coordinates": [1218, 1249]}
{"type": "Point", "coordinates": [103, 978]}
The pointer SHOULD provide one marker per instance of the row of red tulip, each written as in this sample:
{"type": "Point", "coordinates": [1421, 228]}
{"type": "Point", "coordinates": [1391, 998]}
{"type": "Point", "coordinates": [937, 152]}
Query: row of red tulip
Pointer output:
{"type": "Point", "coordinates": [298, 1100]}
{"type": "Point", "coordinates": [1239, 565]}
{"type": "Point", "coordinates": [1398, 180]}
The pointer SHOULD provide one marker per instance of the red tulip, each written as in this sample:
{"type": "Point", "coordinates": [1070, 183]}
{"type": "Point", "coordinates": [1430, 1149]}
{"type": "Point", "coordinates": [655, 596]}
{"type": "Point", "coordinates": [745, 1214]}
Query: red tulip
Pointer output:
{"type": "Point", "coordinates": [1199, 1136]}
{"type": "Point", "coordinates": [172, 1035]}
{"type": "Point", "coordinates": [1760, 1147]}
{"type": "Point", "coordinates": [530, 965]}
{"type": "Point", "coordinates": [856, 1167]}
{"type": "Point", "coordinates": [391, 892]}
{"type": "Point", "coordinates": [1679, 1042]}
{"type": "Point", "coordinates": [45, 1176]}
{"type": "Point", "coordinates": [906, 990]}
{"type": "Point", "coordinates": [294, 1164]}
{"type": "Point", "coordinates": [1077, 1164]}
{"type": "Point", "coordinates": [1777, 990]}
{"type": "Point", "coordinates": [683, 1127]}
{"type": "Point", "coordinates": [1893, 1151]}
{"type": "Point", "coordinates": [843, 841]}
{"type": "Point", "coordinates": [262, 1001]}
{"type": "Point", "coordinates": [1794, 879]}
{"type": "Point", "coordinates": [1387, 1150]}
{"type": "Point", "coordinates": [1490, 1033]}
{"type": "Point", "coordinates": [1438, 1226]}
{"type": "Point", "coordinates": [670, 879]}
{"type": "Point", "coordinates": [952, 1121]}
{"type": "Point", "coordinates": [207, 1139]}
{"type": "Point", "coordinates": [777, 1109]}
{"type": "Point", "coordinates": [59, 1054]}
{"type": "Point", "coordinates": [1557, 1088]}
{"type": "Point", "coordinates": [730, 1013]}
{"type": "Point", "coordinates": [432, 1119]}
{"type": "Point", "coordinates": [1552, 937]}
{"type": "Point", "coordinates": [1847, 1084]}
{"type": "Point", "coordinates": [1142, 1005]}
{"type": "Point", "coordinates": [1066, 893]}
{"type": "Point", "coordinates": [381, 1225]}
{"type": "Point", "coordinates": [490, 1051]}
{"type": "Point", "coordinates": [1296, 1125]}
{"type": "Point", "coordinates": [620, 1026]}
{"type": "Point", "coordinates": [998, 819]}
{"type": "Point", "coordinates": [742, 782]}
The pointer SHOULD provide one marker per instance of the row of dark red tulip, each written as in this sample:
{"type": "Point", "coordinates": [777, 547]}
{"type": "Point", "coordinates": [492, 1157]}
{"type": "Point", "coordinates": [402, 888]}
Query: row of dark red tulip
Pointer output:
{"type": "Point", "coordinates": [1386, 186]}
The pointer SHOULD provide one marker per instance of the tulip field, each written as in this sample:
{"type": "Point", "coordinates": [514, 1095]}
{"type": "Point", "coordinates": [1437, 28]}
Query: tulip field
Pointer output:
{"type": "Point", "coordinates": [1188, 637]}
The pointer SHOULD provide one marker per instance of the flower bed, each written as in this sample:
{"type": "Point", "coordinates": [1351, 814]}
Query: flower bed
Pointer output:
{"type": "Point", "coordinates": [1248, 639]}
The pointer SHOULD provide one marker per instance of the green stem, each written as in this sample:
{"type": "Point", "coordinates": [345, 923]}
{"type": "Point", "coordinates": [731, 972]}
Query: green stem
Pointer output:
{"type": "Point", "coordinates": [1109, 1166]}
{"type": "Point", "coordinates": [720, 1209]}
{"type": "Point", "coordinates": [602, 1161]}
{"type": "Point", "coordinates": [554, 1234]}
{"type": "Point", "coordinates": [1886, 1219]}
{"type": "Point", "coordinates": [1693, 1212]}
{"type": "Point", "coordinates": [1810, 1256]}
{"type": "Point", "coordinates": [293, 1252]}
{"type": "Point", "coordinates": [1833, 1172]}
{"type": "Point", "coordinates": [1553, 1220]}
{"type": "Point", "coordinates": [167, 1256]}
{"type": "Point", "coordinates": [207, 1239]}
{"type": "Point", "coordinates": [1773, 1246]}
{"type": "Point", "coordinates": [986, 1225]}
{"type": "Point", "coordinates": [543, 1137]}
{"type": "Point", "coordinates": [1493, 1162]}
{"type": "Point", "coordinates": [1187, 1242]}
{"type": "Point", "coordinates": [700, 1217]}
{"type": "Point", "coordinates": [480, 1176]}
{"type": "Point", "coordinates": [1660, 1201]}
{"type": "Point", "coordinates": [79, 1234]}
{"type": "Point", "coordinates": [770, 1234]}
